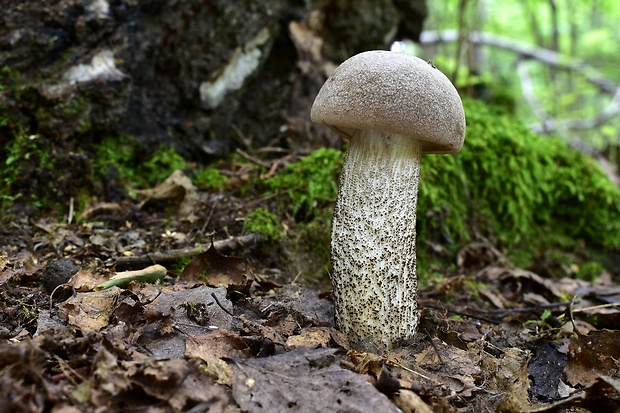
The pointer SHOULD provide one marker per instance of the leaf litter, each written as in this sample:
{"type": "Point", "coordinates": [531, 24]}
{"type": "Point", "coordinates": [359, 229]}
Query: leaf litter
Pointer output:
{"type": "Point", "coordinates": [222, 336]}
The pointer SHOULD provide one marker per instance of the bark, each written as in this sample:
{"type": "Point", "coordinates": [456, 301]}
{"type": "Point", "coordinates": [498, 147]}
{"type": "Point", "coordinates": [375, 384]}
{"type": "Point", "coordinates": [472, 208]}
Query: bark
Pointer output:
{"type": "Point", "coordinates": [202, 76]}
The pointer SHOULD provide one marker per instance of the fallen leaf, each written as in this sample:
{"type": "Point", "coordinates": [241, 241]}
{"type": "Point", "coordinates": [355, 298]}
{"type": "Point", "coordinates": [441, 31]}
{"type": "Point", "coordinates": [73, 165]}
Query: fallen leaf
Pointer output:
{"type": "Point", "coordinates": [101, 207]}
{"type": "Point", "coordinates": [86, 280]}
{"type": "Point", "coordinates": [519, 281]}
{"type": "Point", "coordinates": [170, 325]}
{"type": "Point", "coordinates": [176, 187]}
{"type": "Point", "coordinates": [219, 270]}
{"type": "Point", "coordinates": [508, 375]}
{"type": "Point", "coordinates": [303, 380]}
{"type": "Point", "coordinates": [22, 264]}
{"type": "Point", "coordinates": [409, 402]}
{"type": "Point", "coordinates": [304, 304]}
{"type": "Point", "coordinates": [318, 337]}
{"type": "Point", "coordinates": [90, 312]}
{"type": "Point", "coordinates": [592, 356]}
{"type": "Point", "coordinates": [603, 395]}
{"type": "Point", "coordinates": [545, 371]}
{"type": "Point", "coordinates": [212, 347]}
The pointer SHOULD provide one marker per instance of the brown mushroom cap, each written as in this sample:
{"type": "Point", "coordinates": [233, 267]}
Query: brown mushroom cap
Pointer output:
{"type": "Point", "coordinates": [396, 93]}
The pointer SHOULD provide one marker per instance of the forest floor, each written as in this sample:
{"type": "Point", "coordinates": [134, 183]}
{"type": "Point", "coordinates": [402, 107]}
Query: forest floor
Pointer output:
{"type": "Point", "coordinates": [226, 335]}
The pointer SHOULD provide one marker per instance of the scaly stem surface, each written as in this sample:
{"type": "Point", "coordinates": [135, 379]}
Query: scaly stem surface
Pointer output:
{"type": "Point", "coordinates": [373, 239]}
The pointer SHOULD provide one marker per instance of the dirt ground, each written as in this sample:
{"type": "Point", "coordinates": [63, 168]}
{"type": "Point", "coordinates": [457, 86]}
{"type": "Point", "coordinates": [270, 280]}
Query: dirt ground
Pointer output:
{"type": "Point", "coordinates": [79, 333]}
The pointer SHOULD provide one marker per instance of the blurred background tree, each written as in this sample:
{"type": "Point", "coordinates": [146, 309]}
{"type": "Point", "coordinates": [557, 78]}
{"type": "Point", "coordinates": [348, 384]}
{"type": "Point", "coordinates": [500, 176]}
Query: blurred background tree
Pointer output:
{"type": "Point", "coordinates": [553, 63]}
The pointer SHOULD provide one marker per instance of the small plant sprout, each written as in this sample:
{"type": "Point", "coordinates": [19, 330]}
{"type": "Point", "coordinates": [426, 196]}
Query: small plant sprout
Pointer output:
{"type": "Point", "coordinates": [393, 108]}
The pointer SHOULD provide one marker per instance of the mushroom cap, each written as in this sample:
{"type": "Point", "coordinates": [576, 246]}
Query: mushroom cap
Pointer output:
{"type": "Point", "coordinates": [396, 93]}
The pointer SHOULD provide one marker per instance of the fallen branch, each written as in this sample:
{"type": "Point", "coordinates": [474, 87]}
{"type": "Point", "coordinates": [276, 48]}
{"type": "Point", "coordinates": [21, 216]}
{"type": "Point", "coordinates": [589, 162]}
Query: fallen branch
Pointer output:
{"type": "Point", "coordinates": [524, 50]}
{"type": "Point", "coordinates": [549, 57]}
{"type": "Point", "coordinates": [172, 256]}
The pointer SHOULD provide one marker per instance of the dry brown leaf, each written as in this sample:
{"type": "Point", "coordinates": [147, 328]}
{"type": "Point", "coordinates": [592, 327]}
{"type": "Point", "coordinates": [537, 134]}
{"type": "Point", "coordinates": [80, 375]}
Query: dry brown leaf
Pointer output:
{"type": "Point", "coordinates": [212, 347]}
{"type": "Point", "coordinates": [318, 337]}
{"type": "Point", "coordinates": [90, 312]}
{"type": "Point", "coordinates": [508, 375]}
{"type": "Point", "coordinates": [603, 395]}
{"type": "Point", "coordinates": [252, 327]}
{"type": "Point", "coordinates": [86, 280]}
{"type": "Point", "coordinates": [593, 356]}
{"type": "Point", "coordinates": [22, 264]}
{"type": "Point", "coordinates": [109, 378]}
{"type": "Point", "coordinates": [219, 270]}
{"type": "Point", "coordinates": [366, 363]}
{"type": "Point", "coordinates": [526, 280]}
{"type": "Point", "coordinates": [409, 402]}
{"type": "Point", "coordinates": [176, 187]}
{"type": "Point", "coordinates": [117, 385]}
{"type": "Point", "coordinates": [101, 207]}
{"type": "Point", "coordinates": [172, 322]}
{"type": "Point", "coordinates": [304, 380]}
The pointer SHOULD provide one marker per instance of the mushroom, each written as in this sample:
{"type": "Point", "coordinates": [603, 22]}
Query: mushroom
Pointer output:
{"type": "Point", "coordinates": [392, 107]}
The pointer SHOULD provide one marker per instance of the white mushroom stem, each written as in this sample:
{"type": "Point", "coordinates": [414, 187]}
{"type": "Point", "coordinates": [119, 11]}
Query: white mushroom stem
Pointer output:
{"type": "Point", "coordinates": [373, 239]}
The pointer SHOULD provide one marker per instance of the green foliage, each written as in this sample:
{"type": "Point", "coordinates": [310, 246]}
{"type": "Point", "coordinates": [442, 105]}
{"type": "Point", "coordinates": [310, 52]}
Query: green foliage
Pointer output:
{"type": "Point", "coordinates": [590, 271]}
{"type": "Point", "coordinates": [525, 190]}
{"type": "Point", "coordinates": [581, 31]}
{"type": "Point", "coordinates": [22, 152]}
{"type": "Point", "coordinates": [116, 153]}
{"type": "Point", "coordinates": [211, 179]}
{"type": "Point", "coordinates": [8, 78]}
{"type": "Point", "coordinates": [120, 154]}
{"type": "Point", "coordinates": [309, 185]}
{"type": "Point", "coordinates": [164, 162]}
{"type": "Point", "coordinates": [263, 222]}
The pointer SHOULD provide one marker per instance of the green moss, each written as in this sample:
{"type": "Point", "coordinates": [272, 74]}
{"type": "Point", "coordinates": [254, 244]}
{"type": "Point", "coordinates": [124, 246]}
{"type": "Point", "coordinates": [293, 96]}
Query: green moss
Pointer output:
{"type": "Point", "coordinates": [22, 154]}
{"type": "Point", "coordinates": [590, 271]}
{"type": "Point", "coordinates": [525, 191]}
{"type": "Point", "coordinates": [161, 164]}
{"type": "Point", "coordinates": [308, 186]}
{"type": "Point", "coordinates": [263, 222]}
{"type": "Point", "coordinates": [120, 155]}
{"type": "Point", "coordinates": [210, 178]}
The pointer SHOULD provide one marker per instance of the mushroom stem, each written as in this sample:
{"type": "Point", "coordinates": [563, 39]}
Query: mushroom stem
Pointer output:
{"type": "Point", "coordinates": [373, 239]}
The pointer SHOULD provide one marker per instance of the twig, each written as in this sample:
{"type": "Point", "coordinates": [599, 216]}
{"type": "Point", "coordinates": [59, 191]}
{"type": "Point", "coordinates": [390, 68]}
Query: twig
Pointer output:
{"type": "Point", "coordinates": [546, 56]}
{"type": "Point", "coordinates": [434, 347]}
{"type": "Point", "coordinates": [503, 313]}
{"type": "Point", "coordinates": [227, 311]}
{"type": "Point", "coordinates": [253, 159]}
{"type": "Point", "coordinates": [595, 307]}
{"type": "Point", "coordinates": [397, 364]}
{"type": "Point", "coordinates": [275, 164]}
{"type": "Point", "coordinates": [551, 58]}
{"type": "Point", "coordinates": [174, 255]}
{"type": "Point", "coordinates": [461, 313]}
{"type": "Point", "coordinates": [71, 211]}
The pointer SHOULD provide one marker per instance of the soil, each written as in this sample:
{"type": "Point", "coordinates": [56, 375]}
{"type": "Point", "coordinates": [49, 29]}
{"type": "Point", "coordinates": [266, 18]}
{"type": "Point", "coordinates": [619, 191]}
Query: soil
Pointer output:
{"type": "Point", "coordinates": [233, 333]}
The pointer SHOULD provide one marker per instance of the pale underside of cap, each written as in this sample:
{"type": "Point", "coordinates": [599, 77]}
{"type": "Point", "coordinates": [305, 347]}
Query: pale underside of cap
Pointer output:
{"type": "Point", "coordinates": [395, 93]}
